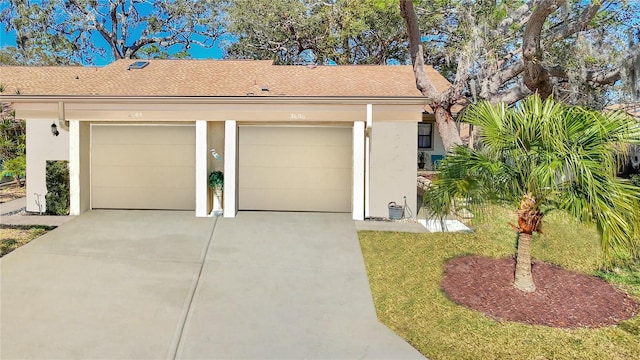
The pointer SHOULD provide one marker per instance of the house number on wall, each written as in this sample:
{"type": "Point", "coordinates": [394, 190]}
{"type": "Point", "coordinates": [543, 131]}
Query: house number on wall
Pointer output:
{"type": "Point", "coordinates": [136, 114]}
{"type": "Point", "coordinates": [297, 116]}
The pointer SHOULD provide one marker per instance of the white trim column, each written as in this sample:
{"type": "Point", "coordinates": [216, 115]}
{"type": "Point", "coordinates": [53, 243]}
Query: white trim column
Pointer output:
{"type": "Point", "coordinates": [230, 189]}
{"type": "Point", "coordinates": [358, 170]}
{"type": "Point", "coordinates": [74, 167]}
{"type": "Point", "coordinates": [367, 161]}
{"type": "Point", "coordinates": [201, 168]}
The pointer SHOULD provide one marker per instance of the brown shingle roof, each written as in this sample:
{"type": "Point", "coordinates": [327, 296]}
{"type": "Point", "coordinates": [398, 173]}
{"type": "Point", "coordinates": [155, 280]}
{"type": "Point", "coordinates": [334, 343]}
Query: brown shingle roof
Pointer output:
{"type": "Point", "coordinates": [215, 78]}
{"type": "Point", "coordinates": [632, 109]}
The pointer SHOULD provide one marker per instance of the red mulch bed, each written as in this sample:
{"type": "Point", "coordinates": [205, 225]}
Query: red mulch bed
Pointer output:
{"type": "Point", "coordinates": [562, 299]}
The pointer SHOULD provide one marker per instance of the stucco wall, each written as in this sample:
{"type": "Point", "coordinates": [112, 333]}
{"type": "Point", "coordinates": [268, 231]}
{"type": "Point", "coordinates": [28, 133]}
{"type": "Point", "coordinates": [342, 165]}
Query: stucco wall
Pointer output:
{"type": "Point", "coordinates": [393, 166]}
{"type": "Point", "coordinates": [215, 140]}
{"type": "Point", "coordinates": [215, 134]}
{"type": "Point", "coordinates": [42, 146]}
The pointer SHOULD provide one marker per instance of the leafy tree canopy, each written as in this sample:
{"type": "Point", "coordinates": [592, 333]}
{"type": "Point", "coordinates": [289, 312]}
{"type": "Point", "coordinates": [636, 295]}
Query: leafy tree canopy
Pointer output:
{"type": "Point", "coordinates": [504, 51]}
{"type": "Point", "coordinates": [78, 31]}
{"type": "Point", "coordinates": [307, 31]}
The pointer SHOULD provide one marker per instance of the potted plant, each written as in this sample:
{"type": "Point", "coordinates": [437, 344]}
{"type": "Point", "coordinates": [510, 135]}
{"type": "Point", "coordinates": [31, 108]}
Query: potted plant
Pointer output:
{"type": "Point", "coordinates": [421, 159]}
{"type": "Point", "coordinates": [216, 182]}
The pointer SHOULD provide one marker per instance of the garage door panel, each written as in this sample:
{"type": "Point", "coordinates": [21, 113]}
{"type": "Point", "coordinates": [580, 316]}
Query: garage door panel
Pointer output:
{"type": "Point", "coordinates": [325, 136]}
{"type": "Point", "coordinates": [144, 155]}
{"type": "Point", "coordinates": [167, 177]}
{"type": "Point", "coordinates": [143, 167]}
{"type": "Point", "coordinates": [296, 156]}
{"type": "Point", "coordinates": [289, 199]}
{"type": "Point", "coordinates": [295, 168]}
{"type": "Point", "coordinates": [143, 134]}
{"type": "Point", "coordinates": [151, 198]}
{"type": "Point", "coordinates": [294, 178]}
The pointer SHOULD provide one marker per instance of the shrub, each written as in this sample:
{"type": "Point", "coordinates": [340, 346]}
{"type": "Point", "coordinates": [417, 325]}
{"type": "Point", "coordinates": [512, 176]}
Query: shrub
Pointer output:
{"type": "Point", "coordinates": [216, 180]}
{"type": "Point", "coordinates": [57, 197]}
{"type": "Point", "coordinates": [16, 168]}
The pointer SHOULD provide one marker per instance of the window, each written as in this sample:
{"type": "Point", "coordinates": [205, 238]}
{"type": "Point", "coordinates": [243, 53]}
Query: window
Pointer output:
{"type": "Point", "coordinates": [138, 65]}
{"type": "Point", "coordinates": [425, 137]}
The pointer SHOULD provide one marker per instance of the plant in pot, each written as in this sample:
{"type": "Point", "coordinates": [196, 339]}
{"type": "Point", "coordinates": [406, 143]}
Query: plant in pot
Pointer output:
{"type": "Point", "coordinates": [216, 182]}
{"type": "Point", "coordinates": [421, 159]}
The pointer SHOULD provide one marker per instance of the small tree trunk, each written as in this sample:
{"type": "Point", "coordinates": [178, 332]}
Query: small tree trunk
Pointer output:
{"type": "Point", "coordinates": [446, 127]}
{"type": "Point", "coordinates": [523, 278]}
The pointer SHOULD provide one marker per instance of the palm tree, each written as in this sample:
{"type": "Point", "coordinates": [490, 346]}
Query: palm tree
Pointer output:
{"type": "Point", "coordinates": [543, 156]}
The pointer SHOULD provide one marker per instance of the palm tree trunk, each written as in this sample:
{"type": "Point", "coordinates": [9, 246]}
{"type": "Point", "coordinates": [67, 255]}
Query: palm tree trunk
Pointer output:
{"type": "Point", "coordinates": [523, 278]}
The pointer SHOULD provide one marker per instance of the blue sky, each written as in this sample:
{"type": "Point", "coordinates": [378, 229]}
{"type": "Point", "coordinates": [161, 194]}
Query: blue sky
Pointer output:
{"type": "Point", "coordinates": [196, 51]}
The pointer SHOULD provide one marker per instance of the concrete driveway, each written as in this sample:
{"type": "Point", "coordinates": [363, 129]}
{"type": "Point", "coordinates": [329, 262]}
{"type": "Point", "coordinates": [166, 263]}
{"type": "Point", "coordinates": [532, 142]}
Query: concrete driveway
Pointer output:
{"type": "Point", "coordinates": [163, 284]}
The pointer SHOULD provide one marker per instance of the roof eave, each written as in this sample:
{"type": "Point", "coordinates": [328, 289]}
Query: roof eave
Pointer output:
{"type": "Point", "coordinates": [345, 100]}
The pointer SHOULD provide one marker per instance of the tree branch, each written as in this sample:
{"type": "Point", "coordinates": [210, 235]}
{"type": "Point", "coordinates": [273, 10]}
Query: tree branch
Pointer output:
{"type": "Point", "coordinates": [491, 84]}
{"type": "Point", "coordinates": [601, 77]}
{"type": "Point", "coordinates": [518, 16]}
{"type": "Point", "coordinates": [570, 28]}
{"type": "Point", "coordinates": [511, 95]}
{"type": "Point", "coordinates": [100, 27]}
{"type": "Point", "coordinates": [454, 92]}
{"type": "Point", "coordinates": [535, 76]}
{"type": "Point", "coordinates": [416, 49]}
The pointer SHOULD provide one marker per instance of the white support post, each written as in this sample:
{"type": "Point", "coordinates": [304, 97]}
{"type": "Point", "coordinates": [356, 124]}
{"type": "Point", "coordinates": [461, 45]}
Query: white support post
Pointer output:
{"type": "Point", "coordinates": [367, 161]}
{"type": "Point", "coordinates": [358, 170]}
{"type": "Point", "coordinates": [201, 168]}
{"type": "Point", "coordinates": [230, 168]}
{"type": "Point", "coordinates": [74, 167]}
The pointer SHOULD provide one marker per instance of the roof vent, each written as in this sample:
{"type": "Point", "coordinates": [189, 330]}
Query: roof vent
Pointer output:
{"type": "Point", "coordinates": [138, 65]}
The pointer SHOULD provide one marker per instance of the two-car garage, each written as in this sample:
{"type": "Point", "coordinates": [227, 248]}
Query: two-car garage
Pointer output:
{"type": "Point", "coordinates": [280, 168]}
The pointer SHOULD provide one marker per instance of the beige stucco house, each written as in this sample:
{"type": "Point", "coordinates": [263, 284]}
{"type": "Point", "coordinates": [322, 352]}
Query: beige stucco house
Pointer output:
{"type": "Point", "coordinates": [290, 138]}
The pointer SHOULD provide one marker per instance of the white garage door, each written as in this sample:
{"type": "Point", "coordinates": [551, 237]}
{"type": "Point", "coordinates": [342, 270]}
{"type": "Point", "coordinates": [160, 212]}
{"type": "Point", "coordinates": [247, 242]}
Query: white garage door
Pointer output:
{"type": "Point", "coordinates": [295, 168]}
{"type": "Point", "coordinates": [143, 167]}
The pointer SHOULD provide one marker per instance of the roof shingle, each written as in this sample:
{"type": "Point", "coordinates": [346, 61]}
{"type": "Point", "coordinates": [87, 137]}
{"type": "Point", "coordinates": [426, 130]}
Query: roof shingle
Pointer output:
{"type": "Point", "coordinates": [216, 78]}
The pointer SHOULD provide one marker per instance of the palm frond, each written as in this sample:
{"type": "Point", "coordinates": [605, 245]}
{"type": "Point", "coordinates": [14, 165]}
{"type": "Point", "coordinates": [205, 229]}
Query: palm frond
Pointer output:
{"type": "Point", "coordinates": [566, 157]}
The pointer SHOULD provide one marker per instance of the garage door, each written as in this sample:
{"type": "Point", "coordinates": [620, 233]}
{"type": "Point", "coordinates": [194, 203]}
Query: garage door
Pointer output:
{"type": "Point", "coordinates": [143, 167]}
{"type": "Point", "coordinates": [295, 168]}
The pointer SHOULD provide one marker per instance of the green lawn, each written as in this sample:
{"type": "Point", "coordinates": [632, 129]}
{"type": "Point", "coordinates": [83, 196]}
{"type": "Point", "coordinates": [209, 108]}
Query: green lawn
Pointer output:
{"type": "Point", "coordinates": [12, 237]}
{"type": "Point", "coordinates": [405, 271]}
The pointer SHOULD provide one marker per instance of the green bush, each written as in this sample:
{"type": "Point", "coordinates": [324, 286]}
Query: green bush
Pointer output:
{"type": "Point", "coordinates": [635, 179]}
{"type": "Point", "coordinates": [16, 168]}
{"type": "Point", "coordinates": [216, 180]}
{"type": "Point", "coordinates": [57, 196]}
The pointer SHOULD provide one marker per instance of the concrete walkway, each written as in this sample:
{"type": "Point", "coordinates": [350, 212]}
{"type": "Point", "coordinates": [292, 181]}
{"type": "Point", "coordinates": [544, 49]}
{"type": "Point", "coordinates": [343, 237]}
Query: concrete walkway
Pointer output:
{"type": "Point", "coordinates": [163, 284]}
{"type": "Point", "coordinates": [13, 205]}
{"type": "Point", "coordinates": [7, 216]}
{"type": "Point", "coordinates": [396, 226]}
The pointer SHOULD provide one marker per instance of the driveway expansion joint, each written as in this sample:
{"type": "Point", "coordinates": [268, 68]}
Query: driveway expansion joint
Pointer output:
{"type": "Point", "coordinates": [174, 349]}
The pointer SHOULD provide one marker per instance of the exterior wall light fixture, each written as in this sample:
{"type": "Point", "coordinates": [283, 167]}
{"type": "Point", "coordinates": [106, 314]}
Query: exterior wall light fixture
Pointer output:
{"type": "Point", "coordinates": [54, 129]}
